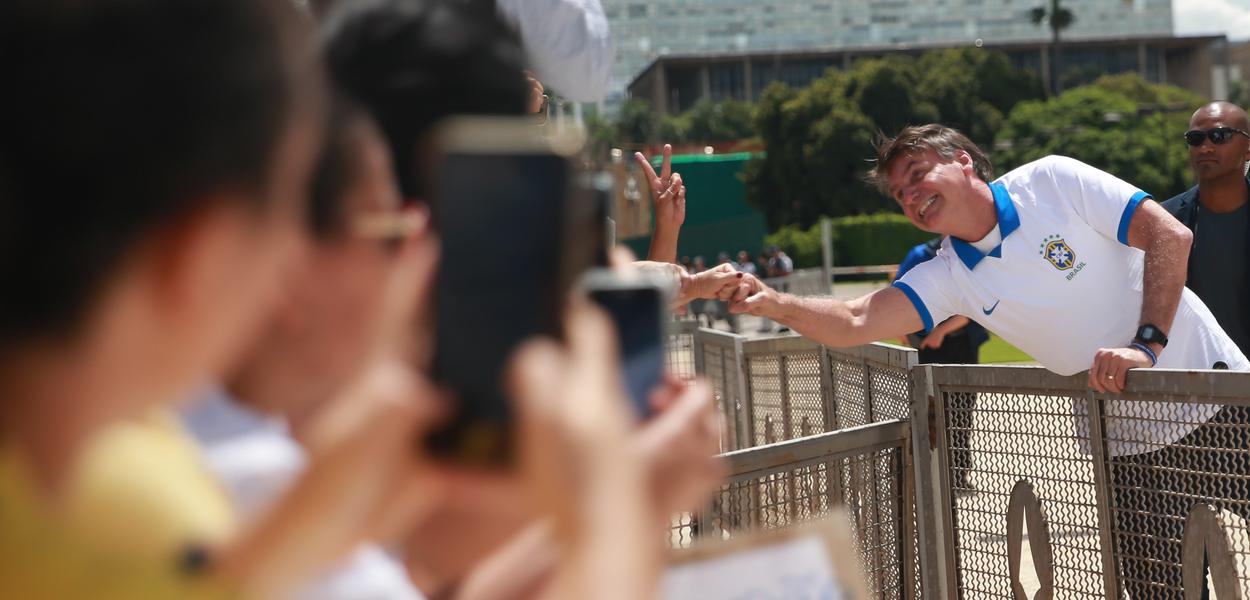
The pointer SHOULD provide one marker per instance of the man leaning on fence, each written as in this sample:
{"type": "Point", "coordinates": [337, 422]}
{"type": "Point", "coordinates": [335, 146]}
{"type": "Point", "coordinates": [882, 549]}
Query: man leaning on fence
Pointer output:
{"type": "Point", "coordinates": [1072, 265]}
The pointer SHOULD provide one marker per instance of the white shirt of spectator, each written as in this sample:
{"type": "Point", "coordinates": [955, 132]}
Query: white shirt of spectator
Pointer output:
{"type": "Point", "coordinates": [256, 459]}
{"type": "Point", "coordinates": [1064, 283]}
{"type": "Point", "coordinates": [568, 44]}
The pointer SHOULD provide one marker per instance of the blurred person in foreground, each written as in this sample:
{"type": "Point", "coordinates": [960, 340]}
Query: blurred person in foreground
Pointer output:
{"type": "Point", "coordinates": [411, 63]}
{"type": "Point", "coordinates": [367, 274]}
{"type": "Point", "coordinates": [567, 44]}
{"type": "Point", "coordinates": [1075, 267]}
{"type": "Point", "coordinates": [393, 58]}
{"type": "Point", "coordinates": [955, 341]}
{"type": "Point", "coordinates": [145, 271]}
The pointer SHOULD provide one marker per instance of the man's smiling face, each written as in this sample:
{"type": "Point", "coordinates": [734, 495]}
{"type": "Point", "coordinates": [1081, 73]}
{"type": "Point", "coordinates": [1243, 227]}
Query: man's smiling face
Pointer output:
{"type": "Point", "coordinates": [933, 192]}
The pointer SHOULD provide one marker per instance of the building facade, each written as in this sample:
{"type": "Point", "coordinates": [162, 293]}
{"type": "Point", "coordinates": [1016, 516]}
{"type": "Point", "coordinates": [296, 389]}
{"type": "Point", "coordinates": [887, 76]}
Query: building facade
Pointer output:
{"type": "Point", "coordinates": [673, 83]}
{"type": "Point", "coordinates": [645, 30]}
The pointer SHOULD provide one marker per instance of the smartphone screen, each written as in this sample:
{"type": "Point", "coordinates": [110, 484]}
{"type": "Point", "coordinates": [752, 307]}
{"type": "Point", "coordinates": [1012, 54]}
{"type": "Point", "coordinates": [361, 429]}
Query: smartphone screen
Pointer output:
{"type": "Point", "coordinates": [638, 314]}
{"type": "Point", "coordinates": [501, 280]}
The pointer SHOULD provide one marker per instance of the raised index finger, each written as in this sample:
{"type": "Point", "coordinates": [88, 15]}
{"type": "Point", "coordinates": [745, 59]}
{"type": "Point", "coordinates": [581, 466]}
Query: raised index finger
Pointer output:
{"type": "Point", "coordinates": [645, 165]}
{"type": "Point", "coordinates": [666, 167]}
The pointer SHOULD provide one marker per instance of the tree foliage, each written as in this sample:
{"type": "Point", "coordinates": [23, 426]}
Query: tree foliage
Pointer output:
{"type": "Point", "coordinates": [709, 121]}
{"type": "Point", "coordinates": [1121, 124]}
{"type": "Point", "coordinates": [819, 138]}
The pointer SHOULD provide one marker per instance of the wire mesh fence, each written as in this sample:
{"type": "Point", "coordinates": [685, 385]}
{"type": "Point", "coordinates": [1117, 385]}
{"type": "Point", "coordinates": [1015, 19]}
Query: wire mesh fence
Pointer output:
{"type": "Point", "coordinates": [782, 388]}
{"type": "Point", "coordinates": [861, 470]}
{"type": "Point", "coordinates": [1134, 493]}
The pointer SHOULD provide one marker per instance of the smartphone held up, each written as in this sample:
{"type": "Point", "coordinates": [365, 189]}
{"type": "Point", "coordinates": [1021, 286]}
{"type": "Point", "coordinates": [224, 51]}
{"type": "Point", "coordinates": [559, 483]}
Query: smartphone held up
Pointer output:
{"type": "Point", "coordinates": [519, 227]}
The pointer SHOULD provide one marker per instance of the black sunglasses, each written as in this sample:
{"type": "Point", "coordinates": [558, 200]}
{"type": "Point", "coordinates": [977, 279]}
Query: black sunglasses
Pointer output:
{"type": "Point", "coordinates": [1217, 135]}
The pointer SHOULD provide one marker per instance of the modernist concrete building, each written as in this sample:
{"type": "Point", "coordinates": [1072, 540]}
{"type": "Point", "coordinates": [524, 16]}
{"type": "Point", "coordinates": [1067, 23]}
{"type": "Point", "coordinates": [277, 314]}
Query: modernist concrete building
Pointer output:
{"type": "Point", "coordinates": [647, 30]}
{"type": "Point", "coordinates": [674, 82]}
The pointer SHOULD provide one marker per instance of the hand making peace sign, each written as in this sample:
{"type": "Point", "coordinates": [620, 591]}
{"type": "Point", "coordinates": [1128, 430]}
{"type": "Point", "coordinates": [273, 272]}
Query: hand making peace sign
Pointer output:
{"type": "Point", "coordinates": [667, 192]}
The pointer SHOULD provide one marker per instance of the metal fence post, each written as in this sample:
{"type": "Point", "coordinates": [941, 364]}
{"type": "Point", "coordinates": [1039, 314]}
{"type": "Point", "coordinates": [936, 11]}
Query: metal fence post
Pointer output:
{"type": "Point", "coordinates": [828, 391]}
{"type": "Point", "coordinates": [1102, 486]}
{"type": "Point", "coordinates": [783, 385]}
{"type": "Point", "coordinates": [742, 389]}
{"type": "Point", "coordinates": [696, 348]}
{"type": "Point", "coordinates": [935, 576]}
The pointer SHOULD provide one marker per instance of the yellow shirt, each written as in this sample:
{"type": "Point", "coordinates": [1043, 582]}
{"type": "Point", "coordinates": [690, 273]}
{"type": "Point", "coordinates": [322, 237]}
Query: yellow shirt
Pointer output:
{"type": "Point", "coordinates": [141, 486]}
{"type": "Point", "coordinates": [42, 559]}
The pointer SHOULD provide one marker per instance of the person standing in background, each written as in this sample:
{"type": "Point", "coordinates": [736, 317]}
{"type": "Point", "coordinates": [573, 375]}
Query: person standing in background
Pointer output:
{"type": "Point", "coordinates": [956, 341]}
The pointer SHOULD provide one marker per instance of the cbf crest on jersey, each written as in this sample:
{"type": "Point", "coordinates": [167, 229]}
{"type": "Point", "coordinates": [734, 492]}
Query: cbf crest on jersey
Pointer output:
{"type": "Point", "coordinates": [1057, 252]}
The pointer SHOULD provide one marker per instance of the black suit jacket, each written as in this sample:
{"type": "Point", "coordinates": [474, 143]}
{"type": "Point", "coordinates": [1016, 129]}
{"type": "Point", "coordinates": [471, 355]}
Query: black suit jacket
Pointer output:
{"type": "Point", "coordinates": [1184, 206]}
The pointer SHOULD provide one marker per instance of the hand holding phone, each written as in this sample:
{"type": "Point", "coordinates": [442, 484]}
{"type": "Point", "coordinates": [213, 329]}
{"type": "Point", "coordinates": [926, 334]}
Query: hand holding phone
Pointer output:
{"type": "Point", "coordinates": [637, 302]}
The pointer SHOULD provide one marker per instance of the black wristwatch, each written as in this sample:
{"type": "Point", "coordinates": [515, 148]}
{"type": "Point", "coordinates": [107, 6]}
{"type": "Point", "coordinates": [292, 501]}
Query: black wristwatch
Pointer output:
{"type": "Point", "coordinates": [1149, 334]}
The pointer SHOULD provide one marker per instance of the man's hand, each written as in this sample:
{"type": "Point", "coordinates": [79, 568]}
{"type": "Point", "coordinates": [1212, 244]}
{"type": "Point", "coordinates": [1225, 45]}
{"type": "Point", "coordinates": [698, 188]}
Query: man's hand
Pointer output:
{"type": "Point", "coordinates": [751, 296]}
{"type": "Point", "coordinates": [668, 198]}
{"type": "Point", "coordinates": [1111, 366]}
{"type": "Point", "coordinates": [933, 341]}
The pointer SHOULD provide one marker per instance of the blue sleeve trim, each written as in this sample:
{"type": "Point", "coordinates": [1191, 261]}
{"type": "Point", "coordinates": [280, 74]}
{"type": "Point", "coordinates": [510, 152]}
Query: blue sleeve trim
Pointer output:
{"type": "Point", "coordinates": [921, 309]}
{"type": "Point", "coordinates": [1127, 217]}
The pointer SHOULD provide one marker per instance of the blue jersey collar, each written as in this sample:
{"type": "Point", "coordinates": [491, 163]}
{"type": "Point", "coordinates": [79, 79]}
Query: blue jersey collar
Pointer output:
{"type": "Point", "coordinates": [1008, 221]}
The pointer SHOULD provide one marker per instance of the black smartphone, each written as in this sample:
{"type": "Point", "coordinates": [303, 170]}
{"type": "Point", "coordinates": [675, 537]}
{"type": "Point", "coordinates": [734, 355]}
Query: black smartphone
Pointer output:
{"type": "Point", "coordinates": [638, 305]}
{"type": "Point", "coordinates": [507, 211]}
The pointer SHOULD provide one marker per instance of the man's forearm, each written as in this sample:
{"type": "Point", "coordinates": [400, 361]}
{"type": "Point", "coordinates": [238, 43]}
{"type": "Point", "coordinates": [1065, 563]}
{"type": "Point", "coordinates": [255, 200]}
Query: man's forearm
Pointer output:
{"type": "Point", "coordinates": [828, 321]}
{"type": "Point", "coordinates": [1167, 258]}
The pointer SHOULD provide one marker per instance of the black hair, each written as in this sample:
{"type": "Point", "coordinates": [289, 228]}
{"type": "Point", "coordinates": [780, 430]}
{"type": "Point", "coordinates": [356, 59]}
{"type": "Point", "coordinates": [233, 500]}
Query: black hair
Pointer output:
{"type": "Point", "coordinates": [338, 167]}
{"type": "Point", "coordinates": [412, 63]}
{"type": "Point", "coordinates": [118, 117]}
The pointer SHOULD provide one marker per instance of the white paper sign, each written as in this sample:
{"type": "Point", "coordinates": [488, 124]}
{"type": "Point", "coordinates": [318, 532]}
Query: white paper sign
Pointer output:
{"type": "Point", "coordinates": [797, 569]}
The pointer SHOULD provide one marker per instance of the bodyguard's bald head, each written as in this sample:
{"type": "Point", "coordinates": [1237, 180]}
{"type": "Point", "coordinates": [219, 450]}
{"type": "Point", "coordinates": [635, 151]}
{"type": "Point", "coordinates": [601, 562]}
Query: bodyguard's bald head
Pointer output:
{"type": "Point", "coordinates": [1229, 113]}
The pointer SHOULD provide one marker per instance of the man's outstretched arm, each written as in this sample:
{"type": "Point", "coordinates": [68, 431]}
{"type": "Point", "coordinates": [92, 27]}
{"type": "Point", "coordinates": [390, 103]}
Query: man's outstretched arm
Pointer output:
{"type": "Point", "coordinates": [885, 313]}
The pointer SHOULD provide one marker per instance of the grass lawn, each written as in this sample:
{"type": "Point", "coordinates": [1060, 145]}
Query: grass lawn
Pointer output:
{"type": "Point", "coordinates": [996, 351]}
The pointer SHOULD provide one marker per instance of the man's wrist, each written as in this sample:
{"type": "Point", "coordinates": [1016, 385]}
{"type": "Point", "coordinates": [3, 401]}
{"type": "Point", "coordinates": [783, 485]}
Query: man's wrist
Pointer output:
{"type": "Point", "coordinates": [1152, 354]}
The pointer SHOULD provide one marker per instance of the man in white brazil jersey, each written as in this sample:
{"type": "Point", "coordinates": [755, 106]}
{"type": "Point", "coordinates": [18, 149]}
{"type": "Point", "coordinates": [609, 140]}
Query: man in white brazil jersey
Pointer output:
{"type": "Point", "coordinates": [1072, 265]}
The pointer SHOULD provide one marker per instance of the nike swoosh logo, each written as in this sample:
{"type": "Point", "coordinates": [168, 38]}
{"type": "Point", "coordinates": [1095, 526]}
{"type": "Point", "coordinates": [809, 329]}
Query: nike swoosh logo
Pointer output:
{"type": "Point", "coordinates": [989, 311]}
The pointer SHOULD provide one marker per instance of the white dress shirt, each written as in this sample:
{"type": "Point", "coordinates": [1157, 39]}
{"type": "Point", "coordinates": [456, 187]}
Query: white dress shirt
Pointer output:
{"type": "Point", "coordinates": [256, 459]}
{"type": "Point", "coordinates": [568, 44]}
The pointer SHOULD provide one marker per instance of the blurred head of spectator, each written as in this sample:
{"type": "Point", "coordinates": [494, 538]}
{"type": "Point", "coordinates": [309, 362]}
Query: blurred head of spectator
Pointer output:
{"type": "Point", "coordinates": [153, 170]}
{"type": "Point", "coordinates": [722, 258]}
{"type": "Point", "coordinates": [335, 312]}
{"type": "Point", "coordinates": [412, 63]}
{"type": "Point", "coordinates": [699, 264]}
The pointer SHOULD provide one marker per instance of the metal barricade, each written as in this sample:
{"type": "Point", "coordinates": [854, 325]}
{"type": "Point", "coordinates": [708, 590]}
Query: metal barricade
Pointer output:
{"type": "Point", "coordinates": [1120, 495]}
{"type": "Point", "coordinates": [863, 470]}
{"type": "Point", "coordinates": [679, 359]}
{"type": "Point", "coordinates": [796, 387]}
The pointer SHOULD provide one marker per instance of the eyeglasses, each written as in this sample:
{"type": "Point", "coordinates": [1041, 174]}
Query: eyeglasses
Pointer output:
{"type": "Point", "coordinates": [391, 229]}
{"type": "Point", "coordinates": [1217, 135]}
{"type": "Point", "coordinates": [544, 111]}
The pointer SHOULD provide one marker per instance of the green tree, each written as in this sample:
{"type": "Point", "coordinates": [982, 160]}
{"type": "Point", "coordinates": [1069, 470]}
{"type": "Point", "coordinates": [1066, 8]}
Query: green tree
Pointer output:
{"type": "Point", "coordinates": [819, 139]}
{"type": "Point", "coordinates": [816, 140]}
{"type": "Point", "coordinates": [709, 121]}
{"type": "Point", "coordinates": [1121, 124]}
{"type": "Point", "coordinates": [636, 123]}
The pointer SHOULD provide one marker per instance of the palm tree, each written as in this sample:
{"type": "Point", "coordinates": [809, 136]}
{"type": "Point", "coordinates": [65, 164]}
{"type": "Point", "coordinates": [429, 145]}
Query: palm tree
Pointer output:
{"type": "Point", "coordinates": [1058, 18]}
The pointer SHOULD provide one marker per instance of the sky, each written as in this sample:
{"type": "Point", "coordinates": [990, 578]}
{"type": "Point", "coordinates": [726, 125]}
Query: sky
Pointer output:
{"type": "Point", "coordinates": [1230, 17]}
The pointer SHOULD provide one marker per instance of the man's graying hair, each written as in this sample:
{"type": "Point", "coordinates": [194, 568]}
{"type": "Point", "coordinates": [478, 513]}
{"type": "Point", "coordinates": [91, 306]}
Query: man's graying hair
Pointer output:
{"type": "Point", "coordinates": [943, 140]}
